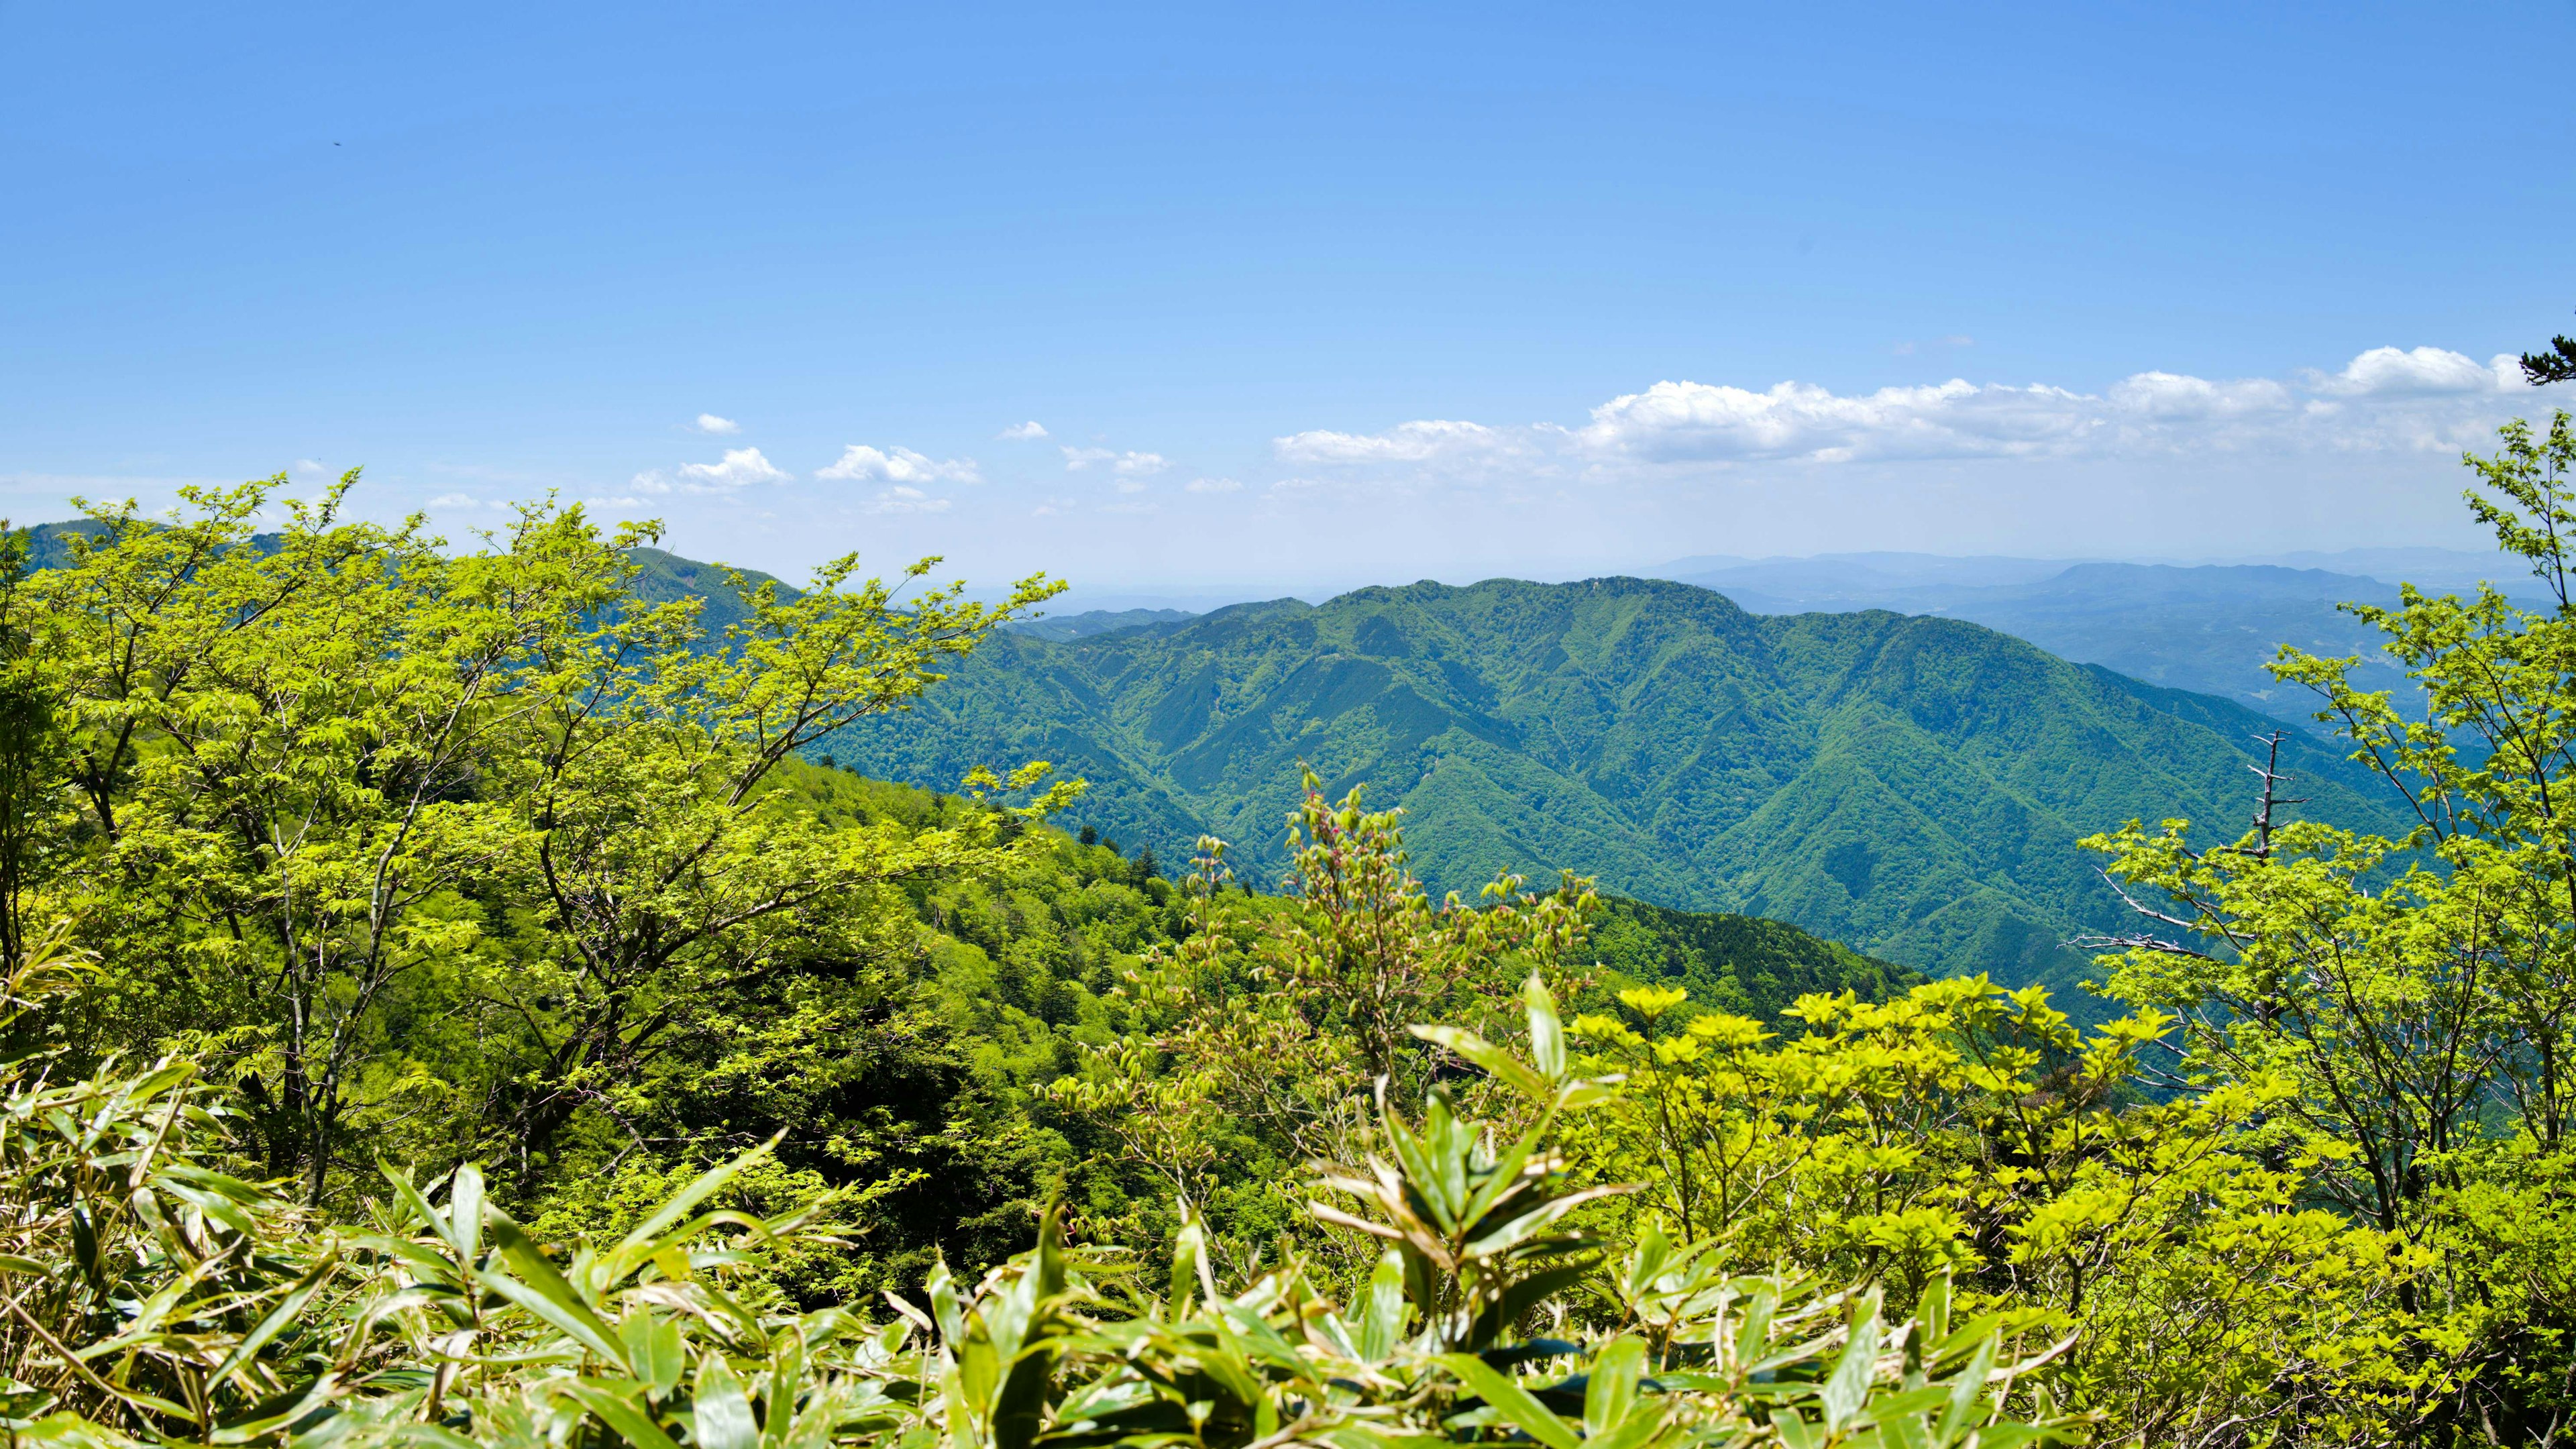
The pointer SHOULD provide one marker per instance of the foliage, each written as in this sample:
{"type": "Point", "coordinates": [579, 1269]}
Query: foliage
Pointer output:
{"type": "Point", "coordinates": [154, 1299]}
{"type": "Point", "coordinates": [2403, 1001]}
{"type": "Point", "coordinates": [1279, 1026]}
{"type": "Point", "coordinates": [336, 778]}
{"type": "Point", "coordinates": [1912, 786]}
{"type": "Point", "coordinates": [1740, 964]}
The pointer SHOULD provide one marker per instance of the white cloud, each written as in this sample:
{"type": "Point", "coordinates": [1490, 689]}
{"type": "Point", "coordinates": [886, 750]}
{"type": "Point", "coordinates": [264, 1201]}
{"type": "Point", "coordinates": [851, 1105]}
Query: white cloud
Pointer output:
{"type": "Point", "coordinates": [1023, 432]}
{"type": "Point", "coordinates": [307, 468]}
{"type": "Point", "coordinates": [1404, 443]}
{"type": "Point", "coordinates": [1130, 485]}
{"type": "Point", "coordinates": [2425, 370]}
{"type": "Point", "coordinates": [2168, 395]}
{"type": "Point", "coordinates": [2385, 399]}
{"type": "Point", "coordinates": [860, 463]}
{"type": "Point", "coordinates": [1689, 421]}
{"type": "Point", "coordinates": [901, 499]}
{"type": "Point", "coordinates": [710, 423]}
{"type": "Point", "coordinates": [454, 500]}
{"type": "Point", "coordinates": [1127, 464]}
{"type": "Point", "coordinates": [740, 468]}
{"type": "Point", "coordinates": [1212, 485]}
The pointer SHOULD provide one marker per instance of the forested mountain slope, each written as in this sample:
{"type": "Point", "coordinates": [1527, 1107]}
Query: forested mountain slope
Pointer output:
{"type": "Point", "coordinates": [1914, 786]}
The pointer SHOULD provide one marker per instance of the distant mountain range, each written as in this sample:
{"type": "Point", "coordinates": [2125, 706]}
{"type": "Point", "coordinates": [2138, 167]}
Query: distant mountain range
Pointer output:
{"type": "Point", "coordinates": [1911, 785]}
{"type": "Point", "coordinates": [2209, 628]}
{"type": "Point", "coordinates": [1097, 621]}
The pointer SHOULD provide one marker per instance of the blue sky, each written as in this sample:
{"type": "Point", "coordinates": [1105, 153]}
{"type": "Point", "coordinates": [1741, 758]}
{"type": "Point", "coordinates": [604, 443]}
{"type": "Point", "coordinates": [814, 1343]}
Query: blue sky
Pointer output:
{"type": "Point", "coordinates": [1299, 298]}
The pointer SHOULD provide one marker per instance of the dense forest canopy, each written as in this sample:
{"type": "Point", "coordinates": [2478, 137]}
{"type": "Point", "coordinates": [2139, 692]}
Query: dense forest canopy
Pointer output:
{"type": "Point", "coordinates": [450, 1000]}
{"type": "Point", "coordinates": [1912, 786]}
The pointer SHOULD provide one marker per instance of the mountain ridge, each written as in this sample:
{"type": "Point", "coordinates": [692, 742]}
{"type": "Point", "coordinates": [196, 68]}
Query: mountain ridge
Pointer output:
{"type": "Point", "coordinates": [1910, 785]}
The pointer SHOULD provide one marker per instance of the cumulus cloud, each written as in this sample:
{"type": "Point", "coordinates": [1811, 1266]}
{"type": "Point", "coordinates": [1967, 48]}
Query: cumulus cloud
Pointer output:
{"type": "Point", "coordinates": [308, 468]}
{"type": "Point", "coordinates": [2424, 371]}
{"type": "Point", "coordinates": [455, 500]}
{"type": "Point", "coordinates": [861, 463]}
{"type": "Point", "coordinates": [1129, 464]}
{"type": "Point", "coordinates": [1212, 485]}
{"type": "Point", "coordinates": [739, 469]}
{"type": "Point", "coordinates": [1023, 432]}
{"type": "Point", "coordinates": [710, 423]}
{"type": "Point", "coordinates": [2386, 399]}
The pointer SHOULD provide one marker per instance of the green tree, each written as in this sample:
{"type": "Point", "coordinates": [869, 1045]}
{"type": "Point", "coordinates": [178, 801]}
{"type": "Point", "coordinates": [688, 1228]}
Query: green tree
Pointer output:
{"type": "Point", "coordinates": [31, 740]}
{"type": "Point", "coordinates": [2554, 363]}
{"type": "Point", "coordinates": [281, 741]}
{"type": "Point", "coordinates": [338, 770]}
{"type": "Point", "coordinates": [667, 877]}
{"type": "Point", "coordinates": [2411, 999]}
{"type": "Point", "coordinates": [1265, 1034]}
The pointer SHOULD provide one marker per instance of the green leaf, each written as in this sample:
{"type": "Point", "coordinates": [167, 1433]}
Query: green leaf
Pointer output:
{"type": "Point", "coordinates": [1383, 1326]}
{"type": "Point", "coordinates": [465, 1210]}
{"type": "Point", "coordinates": [1848, 1388]}
{"type": "Point", "coordinates": [1794, 1430]}
{"type": "Point", "coordinates": [1753, 1333]}
{"type": "Point", "coordinates": [1641, 1426]}
{"type": "Point", "coordinates": [1933, 1311]}
{"type": "Point", "coordinates": [1189, 1266]}
{"type": "Point", "coordinates": [410, 1197]}
{"type": "Point", "coordinates": [618, 1404]}
{"type": "Point", "coordinates": [1493, 1059]}
{"type": "Point", "coordinates": [1547, 1033]}
{"type": "Point", "coordinates": [1965, 1392]}
{"type": "Point", "coordinates": [722, 1413]}
{"type": "Point", "coordinates": [71, 1431]}
{"type": "Point", "coordinates": [1511, 1403]}
{"type": "Point", "coordinates": [545, 1292]}
{"type": "Point", "coordinates": [639, 1246]}
{"type": "Point", "coordinates": [653, 1350]}
{"type": "Point", "coordinates": [1612, 1390]}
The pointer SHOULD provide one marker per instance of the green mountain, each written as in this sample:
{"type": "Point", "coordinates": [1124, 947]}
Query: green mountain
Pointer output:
{"type": "Point", "coordinates": [662, 577]}
{"type": "Point", "coordinates": [1097, 621]}
{"type": "Point", "coordinates": [49, 544]}
{"type": "Point", "coordinates": [1913, 786]}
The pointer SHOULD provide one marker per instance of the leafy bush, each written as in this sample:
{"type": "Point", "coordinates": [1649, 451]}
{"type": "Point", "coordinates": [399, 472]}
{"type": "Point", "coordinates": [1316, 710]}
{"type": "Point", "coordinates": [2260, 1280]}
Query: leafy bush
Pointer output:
{"type": "Point", "coordinates": [152, 1297]}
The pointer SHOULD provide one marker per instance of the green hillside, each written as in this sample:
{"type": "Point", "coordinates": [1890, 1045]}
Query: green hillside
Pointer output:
{"type": "Point", "coordinates": [1913, 786]}
{"type": "Point", "coordinates": [662, 577]}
